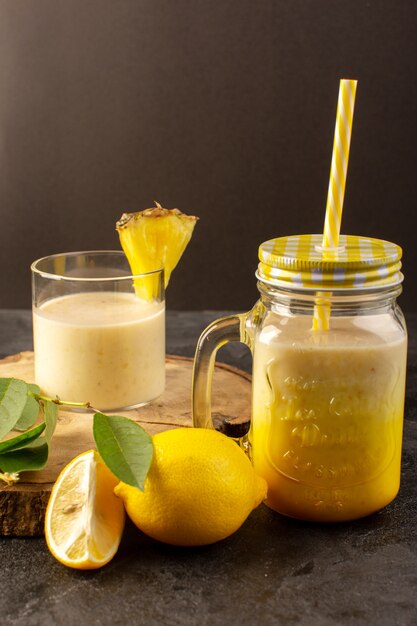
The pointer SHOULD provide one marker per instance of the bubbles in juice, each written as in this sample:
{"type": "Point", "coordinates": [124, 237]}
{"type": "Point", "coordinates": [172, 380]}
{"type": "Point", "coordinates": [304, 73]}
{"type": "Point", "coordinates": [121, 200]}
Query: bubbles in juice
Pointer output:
{"type": "Point", "coordinates": [327, 415]}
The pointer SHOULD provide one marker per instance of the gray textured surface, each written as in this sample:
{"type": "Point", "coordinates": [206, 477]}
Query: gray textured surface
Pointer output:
{"type": "Point", "coordinates": [272, 571]}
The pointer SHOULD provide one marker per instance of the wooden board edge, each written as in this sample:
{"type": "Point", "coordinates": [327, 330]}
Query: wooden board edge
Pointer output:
{"type": "Point", "coordinates": [15, 358]}
{"type": "Point", "coordinates": [30, 503]}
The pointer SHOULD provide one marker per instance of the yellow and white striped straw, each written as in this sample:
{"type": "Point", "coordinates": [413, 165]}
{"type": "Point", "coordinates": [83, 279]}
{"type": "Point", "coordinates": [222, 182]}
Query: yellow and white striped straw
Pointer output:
{"type": "Point", "coordinates": [340, 158]}
{"type": "Point", "coordinates": [336, 191]}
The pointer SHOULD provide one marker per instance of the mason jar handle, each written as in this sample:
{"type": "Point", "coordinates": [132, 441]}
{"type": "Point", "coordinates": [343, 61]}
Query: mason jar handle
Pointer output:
{"type": "Point", "coordinates": [220, 332]}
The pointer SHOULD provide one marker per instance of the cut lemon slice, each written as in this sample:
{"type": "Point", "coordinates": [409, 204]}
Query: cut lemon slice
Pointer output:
{"type": "Point", "coordinates": [84, 520]}
{"type": "Point", "coordinates": [155, 238]}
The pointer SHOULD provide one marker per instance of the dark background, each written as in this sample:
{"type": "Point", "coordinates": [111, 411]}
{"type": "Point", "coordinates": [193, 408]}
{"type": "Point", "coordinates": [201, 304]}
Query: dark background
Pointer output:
{"type": "Point", "coordinates": [224, 109]}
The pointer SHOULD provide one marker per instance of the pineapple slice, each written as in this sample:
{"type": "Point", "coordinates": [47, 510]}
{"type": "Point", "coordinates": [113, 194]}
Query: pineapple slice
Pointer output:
{"type": "Point", "coordinates": [152, 239]}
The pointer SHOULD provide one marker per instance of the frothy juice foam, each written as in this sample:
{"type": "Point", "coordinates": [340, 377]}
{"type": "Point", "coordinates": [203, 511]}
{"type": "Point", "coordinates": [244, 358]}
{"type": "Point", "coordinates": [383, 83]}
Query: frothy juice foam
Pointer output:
{"type": "Point", "coordinates": [106, 348]}
{"type": "Point", "coordinates": [327, 415]}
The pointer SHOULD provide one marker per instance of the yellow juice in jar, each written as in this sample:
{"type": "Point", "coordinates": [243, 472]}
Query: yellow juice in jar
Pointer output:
{"type": "Point", "coordinates": [327, 415]}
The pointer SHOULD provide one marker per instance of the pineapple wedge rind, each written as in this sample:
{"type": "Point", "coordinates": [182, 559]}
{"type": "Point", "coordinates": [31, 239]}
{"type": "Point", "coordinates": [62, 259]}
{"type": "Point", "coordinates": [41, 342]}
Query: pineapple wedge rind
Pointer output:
{"type": "Point", "coordinates": [155, 238]}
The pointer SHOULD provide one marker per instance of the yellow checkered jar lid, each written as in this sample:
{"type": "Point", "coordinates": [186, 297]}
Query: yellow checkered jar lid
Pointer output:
{"type": "Point", "coordinates": [300, 262]}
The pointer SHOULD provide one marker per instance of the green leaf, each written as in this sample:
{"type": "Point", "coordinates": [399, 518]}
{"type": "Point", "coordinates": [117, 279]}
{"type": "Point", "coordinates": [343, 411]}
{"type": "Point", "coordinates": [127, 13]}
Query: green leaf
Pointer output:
{"type": "Point", "coordinates": [19, 409]}
{"type": "Point", "coordinates": [30, 411]}
{"type": "Point", "coordinates": [51, 417]}
{"type": "Point", "coordinates": [14, 443]}
{"type": "Point", "coordinates": [125, 447]}
{"type": "Point", "coordinates": [13, 397]}
{"type": "Point", "coordinates": [25, 459]}
{"type": "Point", "coordinates": [37, 443]}
{"type": "Point", "coordinates": [50, 411]}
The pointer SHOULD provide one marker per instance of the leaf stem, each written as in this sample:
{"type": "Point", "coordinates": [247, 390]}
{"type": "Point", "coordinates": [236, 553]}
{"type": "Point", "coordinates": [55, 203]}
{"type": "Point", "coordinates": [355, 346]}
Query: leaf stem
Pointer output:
{"type": "Point", "coordinates": [56, 400]}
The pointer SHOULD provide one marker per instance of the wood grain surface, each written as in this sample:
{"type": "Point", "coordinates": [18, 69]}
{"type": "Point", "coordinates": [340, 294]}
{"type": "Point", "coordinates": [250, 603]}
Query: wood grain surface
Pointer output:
{"type": "Point", "coordinates": [22, 506]}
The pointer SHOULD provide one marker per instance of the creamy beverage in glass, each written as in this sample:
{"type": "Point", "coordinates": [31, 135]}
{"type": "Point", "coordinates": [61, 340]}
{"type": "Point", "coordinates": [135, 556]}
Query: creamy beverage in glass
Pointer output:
{"type": "Point", "coordinates": [95, 340]}
{"type": "Point", "coordinates": [327, 415]}
{"type": "Point", "coordinates": [327, 403]}
{"type": "Point", "coordinates": [329, 346]}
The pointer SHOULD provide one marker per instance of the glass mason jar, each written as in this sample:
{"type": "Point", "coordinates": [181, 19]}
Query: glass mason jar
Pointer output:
{"type": "Point", "coordinates": [329, 348]}
{"type": "Point", "coordinates": [98, 331]}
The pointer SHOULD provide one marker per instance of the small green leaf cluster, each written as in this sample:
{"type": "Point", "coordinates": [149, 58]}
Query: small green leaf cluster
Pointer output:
{"type": "Point", "coordinates": [27, 423]}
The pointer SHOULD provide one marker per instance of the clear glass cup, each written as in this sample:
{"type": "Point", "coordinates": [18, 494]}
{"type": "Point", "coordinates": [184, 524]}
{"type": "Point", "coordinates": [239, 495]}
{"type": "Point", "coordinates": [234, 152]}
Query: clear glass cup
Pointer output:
{"type": "Point", "coordinates": [327, 407]}
{"type": "Point", "coordinates": [99, 331]}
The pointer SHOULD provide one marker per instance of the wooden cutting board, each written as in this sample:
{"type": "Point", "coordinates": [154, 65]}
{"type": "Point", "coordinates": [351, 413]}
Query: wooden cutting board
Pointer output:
{"type": "Point", "coordinates": [22, 506]}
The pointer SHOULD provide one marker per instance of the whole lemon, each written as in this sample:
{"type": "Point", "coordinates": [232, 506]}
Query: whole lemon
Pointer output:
{"type": "Point", "coordinates": [200, 488]}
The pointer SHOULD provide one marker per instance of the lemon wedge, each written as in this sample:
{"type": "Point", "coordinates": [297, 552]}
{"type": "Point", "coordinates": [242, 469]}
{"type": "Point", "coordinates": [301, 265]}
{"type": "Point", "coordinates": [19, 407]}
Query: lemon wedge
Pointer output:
{"type": "Point", "coordinates": [84, 520]}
